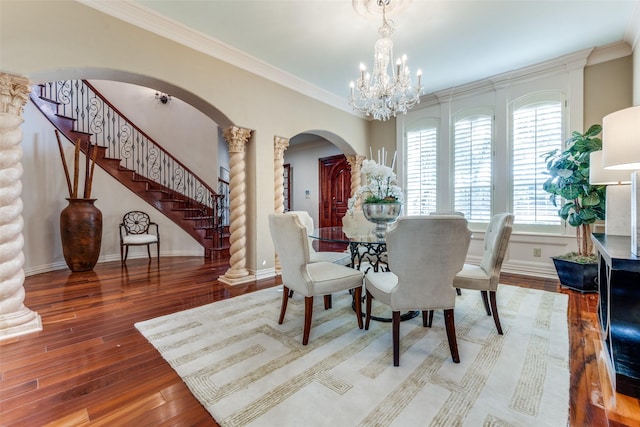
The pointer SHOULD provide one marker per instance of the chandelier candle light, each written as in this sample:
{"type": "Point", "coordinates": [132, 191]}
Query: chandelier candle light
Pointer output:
{"type": "Point", "coordinates": [382, 95]}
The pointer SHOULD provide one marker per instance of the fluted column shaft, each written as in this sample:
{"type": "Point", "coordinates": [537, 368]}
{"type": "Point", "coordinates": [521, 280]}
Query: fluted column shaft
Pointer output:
{"type": "Point", "coordinates": [355, 162]}
{"type": "Point", "coordinates": [280, 145]}
{"type": "Point", "coordinates": [237, 273]}
{"type": "Point", "coordinates": [15, 318]}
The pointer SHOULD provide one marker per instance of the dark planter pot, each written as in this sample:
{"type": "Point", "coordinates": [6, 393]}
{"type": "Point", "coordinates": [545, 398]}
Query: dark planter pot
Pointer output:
{"type": "Point", "coordinates": [81, 234]}
{"type": "Point", "coordinates": [577, 276]}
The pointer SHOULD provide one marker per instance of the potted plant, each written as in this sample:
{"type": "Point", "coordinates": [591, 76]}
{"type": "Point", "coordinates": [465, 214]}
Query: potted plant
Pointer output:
{"type": "Point", "coordinates": [582, 204]}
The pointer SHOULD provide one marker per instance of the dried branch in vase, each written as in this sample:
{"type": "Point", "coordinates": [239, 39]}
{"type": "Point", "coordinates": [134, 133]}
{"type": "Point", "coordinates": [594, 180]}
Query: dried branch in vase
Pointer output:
{"type": "Point", "coordinates": [90, 162]}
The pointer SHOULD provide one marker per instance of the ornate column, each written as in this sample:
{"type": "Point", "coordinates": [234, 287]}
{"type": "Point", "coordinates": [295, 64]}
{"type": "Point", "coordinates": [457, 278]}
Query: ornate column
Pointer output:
{"type": "Point", "coordinates": [355, 162]}
{"type": "Point", "coordinates": [280, 145]}
{"type": "Point", "coordinates": [15, 318]}
{"type": "Point", "coordinates": [237, 138]}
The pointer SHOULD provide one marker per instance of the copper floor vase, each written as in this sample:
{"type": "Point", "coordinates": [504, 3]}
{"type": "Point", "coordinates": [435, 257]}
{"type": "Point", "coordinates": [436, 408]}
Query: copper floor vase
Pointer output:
{"type": "Point", "coordinates": [81, 234]}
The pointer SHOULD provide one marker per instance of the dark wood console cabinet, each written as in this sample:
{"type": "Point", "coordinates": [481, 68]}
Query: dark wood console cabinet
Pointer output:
{"type": "Point", "coordinates": [619, 310]}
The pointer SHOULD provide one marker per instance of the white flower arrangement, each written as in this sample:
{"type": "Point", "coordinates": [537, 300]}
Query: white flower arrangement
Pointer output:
{"type": "Point", "coordinates": [381, 186]}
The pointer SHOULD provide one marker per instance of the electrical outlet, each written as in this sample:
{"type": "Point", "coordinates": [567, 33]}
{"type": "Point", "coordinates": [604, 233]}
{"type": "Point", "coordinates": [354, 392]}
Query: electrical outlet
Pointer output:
{"type": "Point", "coordinates": [537, 252]}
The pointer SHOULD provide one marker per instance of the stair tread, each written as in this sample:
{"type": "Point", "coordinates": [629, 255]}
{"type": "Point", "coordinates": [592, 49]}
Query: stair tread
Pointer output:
{"type": "Point", "coordinates": [53, 101]}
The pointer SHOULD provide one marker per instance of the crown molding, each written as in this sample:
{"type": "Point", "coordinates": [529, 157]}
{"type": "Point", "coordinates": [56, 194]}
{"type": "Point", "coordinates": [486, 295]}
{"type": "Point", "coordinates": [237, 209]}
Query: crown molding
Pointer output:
{"type": "Point", "coordinates": [562, 64]}
{"type": "Point", "coordinates": [160, 25]}
{"type": "Point", "coordinates": [609, 53]}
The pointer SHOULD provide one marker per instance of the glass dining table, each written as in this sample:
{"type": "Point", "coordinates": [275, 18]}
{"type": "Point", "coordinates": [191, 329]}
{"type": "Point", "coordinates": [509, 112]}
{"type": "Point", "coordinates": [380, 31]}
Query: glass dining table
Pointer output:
{"type": "Point", "coordinates": [365, 250]}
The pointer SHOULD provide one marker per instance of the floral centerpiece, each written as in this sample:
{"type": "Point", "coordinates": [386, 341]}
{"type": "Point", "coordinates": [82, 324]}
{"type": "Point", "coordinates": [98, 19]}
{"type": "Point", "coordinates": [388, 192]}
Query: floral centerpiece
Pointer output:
{"type": "Point", "coordinates": [381, 186]}
{"type": "Point", "coordinates": [380, 197]}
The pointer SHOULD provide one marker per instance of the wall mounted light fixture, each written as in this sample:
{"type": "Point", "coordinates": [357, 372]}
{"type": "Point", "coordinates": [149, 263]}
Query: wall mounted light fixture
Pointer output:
{"type": "Point", "coordinates": [163, 97]}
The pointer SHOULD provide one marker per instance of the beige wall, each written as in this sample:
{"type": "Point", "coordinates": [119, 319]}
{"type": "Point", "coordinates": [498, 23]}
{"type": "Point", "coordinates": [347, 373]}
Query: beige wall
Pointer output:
{"type": "Point", "coordinates": [383, 134]}
{"type": "Point", "coordinates": [607, 88]}
{"type": "Point", "coordinates": [35, 44]}
{"type": "Point", "coordinates": [636, 75]}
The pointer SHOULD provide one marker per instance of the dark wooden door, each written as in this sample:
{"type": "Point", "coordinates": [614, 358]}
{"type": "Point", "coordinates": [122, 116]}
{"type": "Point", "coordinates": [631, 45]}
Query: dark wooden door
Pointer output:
{"type": "Point", "coordinates": [335, 189]}
{"type": "Point", "coordinates": [287, 187]}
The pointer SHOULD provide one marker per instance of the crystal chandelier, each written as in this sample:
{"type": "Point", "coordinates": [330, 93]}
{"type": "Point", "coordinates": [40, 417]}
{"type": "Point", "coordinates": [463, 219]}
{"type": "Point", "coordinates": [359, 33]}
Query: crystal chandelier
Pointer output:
{"type": "Point", "coordinates": [382, 95]}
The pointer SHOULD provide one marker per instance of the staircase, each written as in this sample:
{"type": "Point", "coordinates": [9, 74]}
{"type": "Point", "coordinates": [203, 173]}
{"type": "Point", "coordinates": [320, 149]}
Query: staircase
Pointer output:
{"type": "Point", "coordinates": [126, 153]}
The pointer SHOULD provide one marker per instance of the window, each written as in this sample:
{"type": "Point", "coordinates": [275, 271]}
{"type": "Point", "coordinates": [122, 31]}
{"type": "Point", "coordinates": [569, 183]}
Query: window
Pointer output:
{"type": "Point", "coordinates": [421, 169]}
{"type": "Point", "coordinates": [537, 129]}
{"type": "Point", "coordinates": [472, 140]}
{"type": "Point", "coordinates": [490, 140]}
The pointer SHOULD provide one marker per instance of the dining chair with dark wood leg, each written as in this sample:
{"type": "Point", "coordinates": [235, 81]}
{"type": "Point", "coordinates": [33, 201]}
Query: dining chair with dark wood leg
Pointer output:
{"type": "Point", "coordinates": [424, 254]}
{"type": "Point", "coordinates": [485, 276]}
{"type": "Point", "coordinates": [305, 277]}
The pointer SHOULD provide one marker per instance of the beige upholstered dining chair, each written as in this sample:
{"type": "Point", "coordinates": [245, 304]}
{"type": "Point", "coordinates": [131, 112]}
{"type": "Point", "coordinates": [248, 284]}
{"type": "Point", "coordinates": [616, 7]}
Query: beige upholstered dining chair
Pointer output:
{"type": "Point", "coordinates": [354, 224]}
{"type": "Point", "coordinates": [485, 277]}
{"type": "Point", "coordinates": [137, 229]}
{"type": "Point", "coordinates": [424, 253]}
{"type": "Point", "coordinates": [305, 277]}
{"type": "Point", "coordinates": [458, 213]}
{"type": "Point", "coordinates": [342, 258]}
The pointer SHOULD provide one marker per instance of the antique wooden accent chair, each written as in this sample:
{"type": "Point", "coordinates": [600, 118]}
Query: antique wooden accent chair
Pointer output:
{"type": "Point", "coordinates": [424, 254]}
{"type": "Point", "coordinates": [137, 229]}
{"type": "Point", "coordinates": [485, 277]}
{"type": "Point", "coordinates": [306, 277]}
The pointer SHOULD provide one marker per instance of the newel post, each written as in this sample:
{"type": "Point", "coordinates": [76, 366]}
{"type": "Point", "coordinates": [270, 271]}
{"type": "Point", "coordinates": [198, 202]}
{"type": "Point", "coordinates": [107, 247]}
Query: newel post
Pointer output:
{"type": "Point", "coordinates": [15, 318]}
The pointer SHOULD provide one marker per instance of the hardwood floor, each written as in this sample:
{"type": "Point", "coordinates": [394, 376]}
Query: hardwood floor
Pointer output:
{"type": "Point", "coordinates": [90, 366]}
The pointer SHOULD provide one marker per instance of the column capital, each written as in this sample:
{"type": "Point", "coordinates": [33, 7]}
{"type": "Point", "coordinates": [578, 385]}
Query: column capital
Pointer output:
{"type": "Point", "coordinates": [14, 93]}
{"type": "Point", "coordinates": [355, 161]}
{"type": "Point", "coordinates": [236, 137]}
{"type": "Point", "coordinates": [280, 145]}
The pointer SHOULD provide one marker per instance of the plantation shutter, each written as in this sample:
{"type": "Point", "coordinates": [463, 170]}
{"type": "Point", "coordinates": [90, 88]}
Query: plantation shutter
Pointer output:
{"type": "Point", "coordinates": [421, 171]}
{"type": "Point", "coordinates": [473, 166]}
{"type": "Point", "coordinates": [537, 129]}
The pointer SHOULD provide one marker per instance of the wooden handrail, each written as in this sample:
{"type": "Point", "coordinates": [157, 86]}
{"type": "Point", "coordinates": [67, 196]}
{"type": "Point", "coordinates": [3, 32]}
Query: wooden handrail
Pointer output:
{"type": "Point", "coordinates": [133, 125]}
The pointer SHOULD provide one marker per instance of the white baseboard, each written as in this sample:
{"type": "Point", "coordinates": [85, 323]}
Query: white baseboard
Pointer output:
{"type": "Point", "coordinates": [265, 273]}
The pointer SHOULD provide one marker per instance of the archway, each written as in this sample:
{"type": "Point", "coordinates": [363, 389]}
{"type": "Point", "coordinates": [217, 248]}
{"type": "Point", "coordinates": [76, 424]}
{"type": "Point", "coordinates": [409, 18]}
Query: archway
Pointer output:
{"type": "Point", "coordinates": [147, 81]}
{"type": "Point", "coordinates": [309, 187]}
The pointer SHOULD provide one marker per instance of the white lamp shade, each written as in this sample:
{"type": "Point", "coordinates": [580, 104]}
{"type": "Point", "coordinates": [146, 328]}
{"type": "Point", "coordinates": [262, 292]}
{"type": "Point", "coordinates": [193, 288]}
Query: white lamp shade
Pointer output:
{"type": "Point", "coordinates": [598, 175]}
{"type": "Point", "coordinates": [621, 139]}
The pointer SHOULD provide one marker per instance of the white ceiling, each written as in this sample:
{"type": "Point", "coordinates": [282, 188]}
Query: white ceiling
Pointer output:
{"type": "Point", "coordinates": [315, 46]}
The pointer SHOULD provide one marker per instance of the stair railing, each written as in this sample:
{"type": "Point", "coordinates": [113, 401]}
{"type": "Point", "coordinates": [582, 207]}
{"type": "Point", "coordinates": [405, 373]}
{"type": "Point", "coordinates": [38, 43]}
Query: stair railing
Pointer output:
{"type": "Point", "coordinates": [123, 140]}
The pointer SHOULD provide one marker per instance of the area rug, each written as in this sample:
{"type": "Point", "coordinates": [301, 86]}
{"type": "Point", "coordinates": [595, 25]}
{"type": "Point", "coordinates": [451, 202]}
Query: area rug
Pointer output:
{"type": "Point", "coordinates": [249, 371]}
